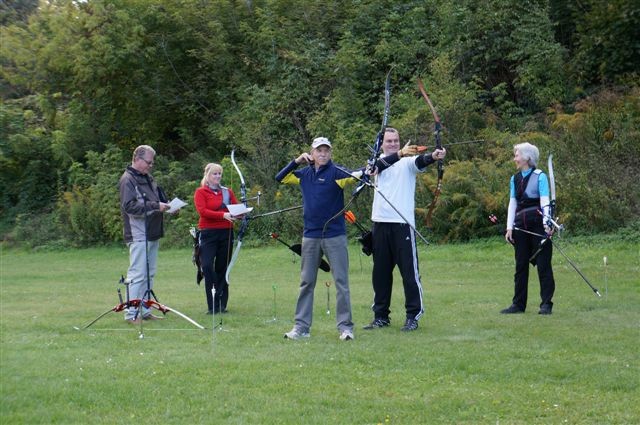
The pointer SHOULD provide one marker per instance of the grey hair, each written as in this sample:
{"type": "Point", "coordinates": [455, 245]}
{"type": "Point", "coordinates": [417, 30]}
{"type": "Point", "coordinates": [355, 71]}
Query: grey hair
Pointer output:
{"type": "Point", "coordinates": [391, 130]}
{"type": "Point", "coordinates": [141, 151]}
{"type": "Point", "coordinates": [208, 169]}
{"type": "Point", "coordinates": [529, 152]}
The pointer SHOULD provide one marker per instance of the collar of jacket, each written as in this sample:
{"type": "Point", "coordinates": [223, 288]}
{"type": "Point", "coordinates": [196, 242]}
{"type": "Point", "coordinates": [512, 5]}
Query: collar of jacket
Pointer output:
{"type": "Point", "coordinates": [322, 167]}
{"type": "Point", "coordinates": [138, 175]}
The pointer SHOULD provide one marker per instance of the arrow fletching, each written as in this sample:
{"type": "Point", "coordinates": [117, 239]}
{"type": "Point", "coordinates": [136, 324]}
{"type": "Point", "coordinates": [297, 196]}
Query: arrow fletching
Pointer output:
{"type": "Point", "coordinates": [350, 217]}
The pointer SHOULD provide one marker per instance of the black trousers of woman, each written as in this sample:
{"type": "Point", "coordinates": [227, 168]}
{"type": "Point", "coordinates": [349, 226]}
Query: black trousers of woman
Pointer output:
{"type": "Point", "coordinates": [215, 252]}
{"type": "Point", "coordinates": [525, 246]}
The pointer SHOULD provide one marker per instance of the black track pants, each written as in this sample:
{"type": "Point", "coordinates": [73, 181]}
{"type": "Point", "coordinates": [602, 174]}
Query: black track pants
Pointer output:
{"type": "Point", "coordinates": [395, 244]}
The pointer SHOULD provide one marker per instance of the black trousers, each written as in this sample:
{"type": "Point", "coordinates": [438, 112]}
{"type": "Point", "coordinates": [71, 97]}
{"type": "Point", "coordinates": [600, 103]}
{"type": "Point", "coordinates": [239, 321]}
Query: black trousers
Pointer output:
{"type": "Point", "coordinates": [215, 253]}
{"type": "Point", "coordinates": [525, 246]}
{"type": "Point", "coordinates": [395, 244]}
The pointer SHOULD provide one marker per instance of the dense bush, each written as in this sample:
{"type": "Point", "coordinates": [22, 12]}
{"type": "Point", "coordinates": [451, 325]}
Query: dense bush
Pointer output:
{"type": "Point", "coordinates": [83, 83]}
{"type": "Point", "coordinates": [598, 146]}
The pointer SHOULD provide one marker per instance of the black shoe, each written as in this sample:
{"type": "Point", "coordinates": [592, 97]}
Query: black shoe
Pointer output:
{"type": "Point", "coordinates": [209, 311]}
{"type": "Point", "coordinates": [377, 323]}
{"type": "Point", "coordinates": [512, 309]}
{"type": "Point", "coordinates": [545, 309]}
{"type": "Point", "coordinates": [410, 325]}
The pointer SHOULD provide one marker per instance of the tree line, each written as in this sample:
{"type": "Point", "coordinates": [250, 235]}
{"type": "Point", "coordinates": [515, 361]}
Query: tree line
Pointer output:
{"type": "Point", "coordinates": [83, 83]}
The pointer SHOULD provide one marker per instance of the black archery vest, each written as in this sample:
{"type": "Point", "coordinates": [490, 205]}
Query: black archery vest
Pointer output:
{"type": "Point", "coordinates": [528, 200]}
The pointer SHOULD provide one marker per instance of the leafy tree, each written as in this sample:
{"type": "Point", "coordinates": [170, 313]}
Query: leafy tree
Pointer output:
{"type": "Point", "coordinates": [29, 174]}
{"type": "Point", "coordinates": [83, 83]}
{"type": "Point", "coordinates": [506, 44]}
{"type": "Point", "coordinates": [607, 40]}
{"type": "Point", "coordinates": [12, 11]}
{"type": "Point", "coordinates": [597, 146]}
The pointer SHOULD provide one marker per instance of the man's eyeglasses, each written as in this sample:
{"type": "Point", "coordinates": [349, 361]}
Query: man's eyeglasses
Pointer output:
{"type": "Point", "coordinates": [149, 163]}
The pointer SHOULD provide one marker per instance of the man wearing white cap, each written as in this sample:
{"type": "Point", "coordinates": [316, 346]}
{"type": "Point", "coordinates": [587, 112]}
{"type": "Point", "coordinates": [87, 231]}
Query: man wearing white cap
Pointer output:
{"type": "Point", "coordinates": [321, 184]}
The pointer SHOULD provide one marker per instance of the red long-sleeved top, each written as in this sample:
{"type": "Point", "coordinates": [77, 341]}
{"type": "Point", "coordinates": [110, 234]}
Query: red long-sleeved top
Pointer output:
{"type": "Point", "coordinates": [208, 205]}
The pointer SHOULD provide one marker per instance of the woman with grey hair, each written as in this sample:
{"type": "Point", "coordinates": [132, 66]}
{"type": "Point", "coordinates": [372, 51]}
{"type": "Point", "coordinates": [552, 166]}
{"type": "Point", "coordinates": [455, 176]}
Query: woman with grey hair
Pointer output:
{"type": "Point", "coordinates": [528, 206]}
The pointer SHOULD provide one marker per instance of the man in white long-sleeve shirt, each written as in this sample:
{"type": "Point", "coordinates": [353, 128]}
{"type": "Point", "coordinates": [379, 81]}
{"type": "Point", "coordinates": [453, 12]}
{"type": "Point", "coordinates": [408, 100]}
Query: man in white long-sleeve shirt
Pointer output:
{"type": "Point", "coordinates": [394, 241]}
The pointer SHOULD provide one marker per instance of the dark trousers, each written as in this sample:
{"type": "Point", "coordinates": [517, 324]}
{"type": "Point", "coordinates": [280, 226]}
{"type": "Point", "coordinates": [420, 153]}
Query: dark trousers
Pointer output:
{"type": "Point", "coordinates": [395, 244]}
{"type": "Point", "coordinates": [215, 252]}
{"type": "Point", "coordinates": [525, 246]}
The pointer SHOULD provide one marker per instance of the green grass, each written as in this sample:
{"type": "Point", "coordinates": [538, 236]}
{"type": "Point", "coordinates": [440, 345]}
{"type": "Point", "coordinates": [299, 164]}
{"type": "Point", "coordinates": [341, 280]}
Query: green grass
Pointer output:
{"type": "Point", "coordinates": [466, 363]}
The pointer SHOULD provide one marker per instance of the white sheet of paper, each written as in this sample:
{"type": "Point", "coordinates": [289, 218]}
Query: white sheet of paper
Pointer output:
{"type": "Point", "coordinates": [238, 209]}
{"type": "Point", "coordinates": [175, 205]}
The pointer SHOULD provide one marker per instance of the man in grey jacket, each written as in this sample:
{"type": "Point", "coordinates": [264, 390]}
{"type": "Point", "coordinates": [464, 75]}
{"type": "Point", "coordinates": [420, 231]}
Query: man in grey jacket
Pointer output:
{"type": "Point", "coordinates": [141, 208]}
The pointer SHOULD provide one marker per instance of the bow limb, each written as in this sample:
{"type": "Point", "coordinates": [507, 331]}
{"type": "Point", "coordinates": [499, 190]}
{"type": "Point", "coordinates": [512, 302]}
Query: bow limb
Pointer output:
{"type": "Point", "coordinates": [387, 100]}
{"type": "Point", "coordinates": [114, 309]}
{"type": "Point", "coordinates": [375, 151]}
{"type": "Point", "coordinates": [234, 258]}
{"type": "Point", "coordinates": [166, 309]}
{"type": "Point", "coordinates": [552, 192]}
{"type": "Point", "coordinates": [243, 185]}
{"type": "Point", "coordinates": [437, 134]}
{"type": "Point", "coordinates": [117, 308]}
{"type": "Point", "coordinates": [549, 216]}
{"type": "Point", "coordinates": [377, 144]}
{"type": "Point", "coordinates": [245, 219]}
{"type": "Point", "coordinates": [552, 180]}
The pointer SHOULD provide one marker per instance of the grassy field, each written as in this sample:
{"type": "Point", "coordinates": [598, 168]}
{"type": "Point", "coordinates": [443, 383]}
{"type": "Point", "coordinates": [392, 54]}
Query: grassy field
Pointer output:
{"type": "Point", "coordinates": [466, 363]}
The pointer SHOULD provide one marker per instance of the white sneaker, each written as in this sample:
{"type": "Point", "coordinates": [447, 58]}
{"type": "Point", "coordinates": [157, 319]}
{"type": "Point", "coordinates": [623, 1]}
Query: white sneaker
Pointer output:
{"type": "Point", "coordinates": [346, 336]}
{"type": "Point", "coordinates": [296, 334]}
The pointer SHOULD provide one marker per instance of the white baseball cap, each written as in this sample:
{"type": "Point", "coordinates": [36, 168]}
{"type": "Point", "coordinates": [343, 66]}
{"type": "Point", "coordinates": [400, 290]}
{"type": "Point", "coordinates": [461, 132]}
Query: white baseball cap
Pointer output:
{"type": "Point", "coordinates": [319, 141]}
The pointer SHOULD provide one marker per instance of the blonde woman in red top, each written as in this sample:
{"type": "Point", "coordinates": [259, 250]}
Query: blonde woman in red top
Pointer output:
{"type": "Point", "coordinates": [215, 235]}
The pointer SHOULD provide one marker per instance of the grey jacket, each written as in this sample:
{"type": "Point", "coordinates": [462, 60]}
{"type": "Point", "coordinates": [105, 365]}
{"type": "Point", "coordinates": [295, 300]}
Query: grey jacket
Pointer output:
{"type": "Point", "coordinates": [139, 194]}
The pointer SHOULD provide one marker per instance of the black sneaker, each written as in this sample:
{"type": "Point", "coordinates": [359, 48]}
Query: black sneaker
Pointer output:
{"type": "Point", "coordinates": [409, 325]}
{"type": "Point", "coordinates": [545, 309]}
{"type": "Point", "coordinates": [512, 309]}
{"type": "Point", "coordinates": [378, 323]}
